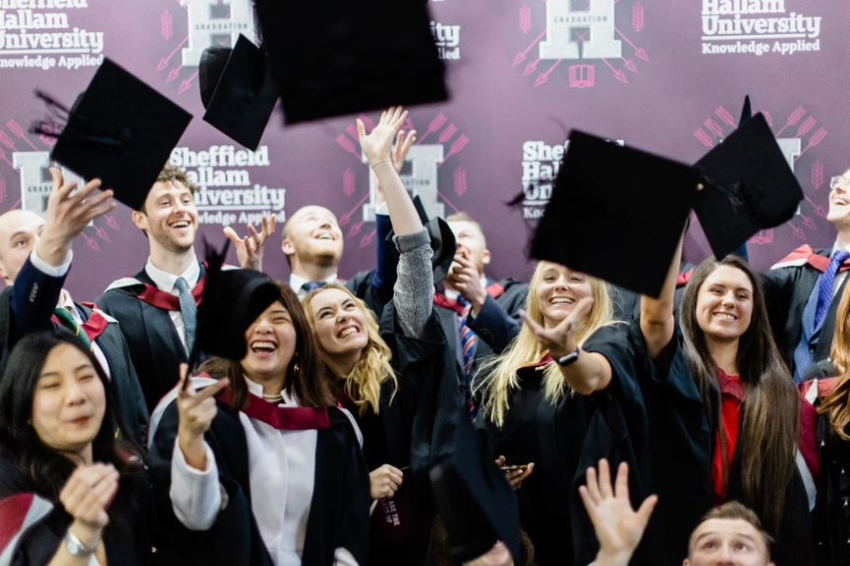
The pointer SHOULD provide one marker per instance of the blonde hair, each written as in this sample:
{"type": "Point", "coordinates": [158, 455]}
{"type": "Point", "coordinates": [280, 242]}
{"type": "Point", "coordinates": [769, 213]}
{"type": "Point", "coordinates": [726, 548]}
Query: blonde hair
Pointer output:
{"type": "Point", "coordinates": [526, 350]}
{"type": "Point", "coordinates": [363, 384]}
{"type": "Point", "coordinates": [836, 403]}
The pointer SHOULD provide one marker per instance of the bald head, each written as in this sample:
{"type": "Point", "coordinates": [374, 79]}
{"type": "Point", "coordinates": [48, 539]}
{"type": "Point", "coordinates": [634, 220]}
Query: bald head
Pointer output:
{"type": "Point", "coordinates": [19, 232]}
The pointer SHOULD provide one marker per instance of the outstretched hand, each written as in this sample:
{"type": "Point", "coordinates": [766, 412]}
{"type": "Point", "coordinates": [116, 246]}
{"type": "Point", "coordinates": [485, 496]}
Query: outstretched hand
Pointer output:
{"type": "Point", "coordinates": [68, 214]}
{"type": "Point", "coordinates": [250, 248]}
{"type": "Point", "coordinates": [377, 145]}
{"type": "Point", "coordinates": [618, 527]}
{"type": "Point", "coordinates": [560, 339]}
{"type": "Point", "coordinates": [197, 409]}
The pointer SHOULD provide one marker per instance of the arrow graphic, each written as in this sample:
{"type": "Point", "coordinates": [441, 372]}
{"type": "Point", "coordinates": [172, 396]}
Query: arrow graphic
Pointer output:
{"type": "Point", "coordinates": [795, 117]}
{"type": "Point", "coordinates": [618, 73]}
{"type": "Point", "coordinates": [522, 55]}
{"type": "Point", "coordinates": [19, 132]}
{"type": "Point", "coordinates": [184, 86]}
{"type": "Point", "coordinates": [639, 51]}
{"type": "Point", "coordinates": [346, 218]}
{"type": "Point", "coordinates": [542, 78]}
{"type": "Point", "coordinates": [367, 239]}
{"type": "Point", "coordinates": [163, 63]}
{"type": "Point", "coordinates": [630, 65]}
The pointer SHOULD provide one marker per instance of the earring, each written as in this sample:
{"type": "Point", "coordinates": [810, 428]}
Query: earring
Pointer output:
{"type": "Point", "coordinates": [296, 368]}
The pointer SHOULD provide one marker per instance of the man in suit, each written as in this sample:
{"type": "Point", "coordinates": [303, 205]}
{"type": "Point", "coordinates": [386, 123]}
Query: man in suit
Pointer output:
{"type": "Point", "coordinates": [803, 289]}
{"type": "Point", "coordinates": [480, 312]}
{"type": "Point", "coordinates": [157, 307]}
{"type": "Point", "coordinates": [35, 254]}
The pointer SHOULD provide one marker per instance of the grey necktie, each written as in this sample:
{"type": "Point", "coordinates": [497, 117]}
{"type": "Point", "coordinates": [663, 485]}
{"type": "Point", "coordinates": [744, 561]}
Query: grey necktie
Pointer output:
{"type": "Point", "coordinates": [189, 310]}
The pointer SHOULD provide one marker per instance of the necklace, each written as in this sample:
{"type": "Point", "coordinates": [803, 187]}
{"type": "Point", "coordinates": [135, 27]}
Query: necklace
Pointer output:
{"type": "Point", "coordinates": [273, 398]}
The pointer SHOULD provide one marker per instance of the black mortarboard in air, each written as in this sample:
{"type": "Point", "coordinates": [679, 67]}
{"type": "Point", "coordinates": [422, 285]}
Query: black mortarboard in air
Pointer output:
{"type": "Point", "coordinates": [341, 57]}
{"type": "Point", "coordinates": [238, 91]}
{"type": "Point", "coordinates": [749, 186]}
{"type": "Point", "coordinates": [474, 500]}
{"type": "Point", "coordinates": [232, 300]}
{"type": "Point", "coordinates": [119, 130]}
{"type": "Point", "coordinates": [616, 213]}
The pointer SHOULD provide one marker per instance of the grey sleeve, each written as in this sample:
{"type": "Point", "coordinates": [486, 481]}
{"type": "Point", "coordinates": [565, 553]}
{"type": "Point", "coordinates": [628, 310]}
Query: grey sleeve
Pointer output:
{"type": "Point", "coordinates": [413, 293]}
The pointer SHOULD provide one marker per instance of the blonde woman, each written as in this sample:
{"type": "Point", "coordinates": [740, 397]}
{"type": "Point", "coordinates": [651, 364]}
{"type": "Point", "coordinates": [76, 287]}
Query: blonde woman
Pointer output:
{"type": "Point", "coordinates": [552, 408]}
{"type": "Point", "coordinates": [376, 374]}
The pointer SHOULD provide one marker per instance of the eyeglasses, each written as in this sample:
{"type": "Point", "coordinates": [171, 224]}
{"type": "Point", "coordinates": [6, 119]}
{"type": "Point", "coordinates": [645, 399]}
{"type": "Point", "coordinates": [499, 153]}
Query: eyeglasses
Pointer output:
{"type": "Point", "coordinates": [842, 181]}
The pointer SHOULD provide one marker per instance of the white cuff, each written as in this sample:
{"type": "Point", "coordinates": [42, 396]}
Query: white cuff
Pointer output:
{"type": "Point", "coordinates": [344, 558]}
{"type": "Point", "coordinates": [195, 494]}
{"type": "Point", "coordinates": [51, 270]}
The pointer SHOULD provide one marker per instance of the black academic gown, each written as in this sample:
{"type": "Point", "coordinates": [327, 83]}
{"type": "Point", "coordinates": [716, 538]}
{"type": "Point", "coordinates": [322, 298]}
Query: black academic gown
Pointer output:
{"type": "Point", "coordinates": [28, 308]}
{"type": "Point", "coordinates": [155, 346]}
{"type": "Point", "coordinates": [682, 438]}
{"type": "Point", "coordinates": [125, 539]}
{"type": "Point", "coordinates": [387, 438]}
{"type": "Point", "coordinates": [787, 291]}
{"type": "Point", "coordinates": [564, 440]}
{"type": "Point", "coordinates": [339, 512]}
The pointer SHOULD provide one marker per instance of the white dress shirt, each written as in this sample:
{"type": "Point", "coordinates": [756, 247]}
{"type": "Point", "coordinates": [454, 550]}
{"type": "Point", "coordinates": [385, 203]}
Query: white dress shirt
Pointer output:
{"type": "Point", "coordinates": [165, 282]}
{"type": "Point", "coordinates": [281, 465]}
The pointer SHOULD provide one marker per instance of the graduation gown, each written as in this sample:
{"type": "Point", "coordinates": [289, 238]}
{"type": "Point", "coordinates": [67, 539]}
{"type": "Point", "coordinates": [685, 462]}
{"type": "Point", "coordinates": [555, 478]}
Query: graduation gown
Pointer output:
{"type": "Point", "coordinates": [563, 440]}
{"type": "Point", "coordinates": [155, 346]}
{"type": "Point", "coordinates": [788, 287]}
{"type": "Point", "coordinates": [682, 438]}
{"type": "Point", "coordinates": [339, 511]}
{"type": "Point", "coordinates": [32, 526]}
{"type": "Point", "coordinates": [28, 308]}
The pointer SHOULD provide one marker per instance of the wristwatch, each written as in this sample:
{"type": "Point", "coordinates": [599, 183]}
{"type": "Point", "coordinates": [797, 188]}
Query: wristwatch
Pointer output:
{"type": "Point", "coordinates": [75, 546]}
{"type": "Point", "coordinates": [568, 359]}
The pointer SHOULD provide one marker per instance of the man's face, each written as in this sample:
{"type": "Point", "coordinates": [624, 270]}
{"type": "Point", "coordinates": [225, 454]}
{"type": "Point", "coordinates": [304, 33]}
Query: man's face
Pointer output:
{"type": "Point", "coordinates": [839, 200]}
{"type": "Point", "coordinates": [312, 236]}
{"type": "Point", "coordinates": [169, 217]}
{"type": "Point", "coordinates": [471, 240]}
{"type": "Point", "coordinates": [727, 542]}
{"type": "Point", "coordinates": [19, 232]}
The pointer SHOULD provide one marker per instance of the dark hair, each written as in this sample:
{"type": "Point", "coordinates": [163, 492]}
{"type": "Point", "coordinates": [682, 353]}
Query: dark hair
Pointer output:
{"type": "Point", "coordinates": [45, 467]}
{"type": "Point", "coordinates": [770, 423]}
{"type": "Point", "coordinates": [303, 372]}
{"type": "Point", "coordinates": [737, 510]}
{"type": "Point", "coordinates": [172, 174]}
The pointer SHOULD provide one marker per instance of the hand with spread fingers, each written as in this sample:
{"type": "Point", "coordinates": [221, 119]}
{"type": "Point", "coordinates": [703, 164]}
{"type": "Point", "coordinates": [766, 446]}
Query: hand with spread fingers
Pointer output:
{"type": "Point", "coordinates": [560, 339]}
{"type": "Point", "coordinates": [403, 142]}
{"type": "Point", "coordinates": [515, 475]}
{"type": "Point", "coordinates": [68, 213]}
{"type": "Point", "coordinates": [197, 410]}
{"type": "Point", "coordinates": [618, 527]}
{"type": "Point", "coordinates": [249, 249]}
{"type": "Point", "coordinates": [377, 145]}
{"type": "Point", "coordinates": [385, 481]}
{"type": "Point", "coordinates": [86, 497]}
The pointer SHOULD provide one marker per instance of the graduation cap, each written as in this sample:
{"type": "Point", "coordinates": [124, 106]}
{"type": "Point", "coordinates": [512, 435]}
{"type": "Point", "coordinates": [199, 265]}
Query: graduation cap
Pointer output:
{"type": "Point", "coordinates": [749, 187]}
{"type": "Point", "coordinates": [443, 241]}
{"type": "Point", "coordinates": [238, 91]}
{"type": "Point", "coordinates": [232, 301]}
{"type": "Point", "coordinates": [616, 213]}
{"type": "Point", "coordinates": [341, 57]}
{"type": "Point", "coordinates": [119, 130]}
{"type": "Point", "coordinates": [473, 498]}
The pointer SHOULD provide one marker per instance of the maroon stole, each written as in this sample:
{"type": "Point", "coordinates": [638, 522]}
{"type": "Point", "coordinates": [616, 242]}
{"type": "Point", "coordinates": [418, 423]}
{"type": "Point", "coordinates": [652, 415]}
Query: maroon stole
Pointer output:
{"type": "Point", "coordinates": [819, 262]}
{"type": "Point", "coordinates": [93, 327]}
{"type": "Point", "coordinates": [281, 418]}
{"type": "Point", "coordinates": [155, 297]}
{"type": "Point", "coordinates": [495, 290]}
{"type": "Point", "coordinates": [683, 278]}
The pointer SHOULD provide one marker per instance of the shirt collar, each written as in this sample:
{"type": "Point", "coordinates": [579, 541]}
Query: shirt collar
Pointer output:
{"type": "Point", "coordinates": [836, 247]}
{"type": "Point", "coordinates": [165, 281]}
{"type": "Point", "coordinates": [296, 281]}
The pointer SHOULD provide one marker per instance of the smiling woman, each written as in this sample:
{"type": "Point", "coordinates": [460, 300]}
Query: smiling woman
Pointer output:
{"type": "Point", "coordinates": [59, 454]}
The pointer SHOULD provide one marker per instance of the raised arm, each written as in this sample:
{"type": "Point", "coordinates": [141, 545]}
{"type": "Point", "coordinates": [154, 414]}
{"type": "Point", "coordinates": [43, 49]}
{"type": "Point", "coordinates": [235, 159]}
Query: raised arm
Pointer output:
{"type": "Point", "coordinates": [414, 288]}
{"type": "Point", "coordinates": [585, 372]}
{"type": "Point", "coordinates": [657, 316]}
{"type": "Point", "coordinates": [249, 249]}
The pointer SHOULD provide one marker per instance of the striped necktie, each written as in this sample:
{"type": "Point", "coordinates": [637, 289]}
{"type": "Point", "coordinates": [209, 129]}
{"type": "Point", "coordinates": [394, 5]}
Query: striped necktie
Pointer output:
{"type": "Point", "coordinates": [189, 310]}
{"type": "Point", "coordinates": [468, 347]}
{"type": "Point", "coordinates": [69, 322]}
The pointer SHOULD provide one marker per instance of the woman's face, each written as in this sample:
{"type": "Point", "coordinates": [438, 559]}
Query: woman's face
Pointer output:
{"type": "Point", "coordinates": [558, 290]}
{"type": "Point", "coordinates": [340, 324]}
{"type": "Point", "coordinates": [724, 305]}
{"type": "Point", "coordinates": [69, 401]}
{"type": "Point", "coordinates": [271, 344]}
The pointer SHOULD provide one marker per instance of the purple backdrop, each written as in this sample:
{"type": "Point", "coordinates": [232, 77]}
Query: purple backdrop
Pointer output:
{"type": "Point", "coordinates": [666, 76]}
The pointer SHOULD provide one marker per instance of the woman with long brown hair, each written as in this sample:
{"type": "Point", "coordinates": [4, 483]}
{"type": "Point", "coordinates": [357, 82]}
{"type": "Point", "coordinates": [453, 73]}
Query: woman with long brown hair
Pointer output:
{"type": "Point", "coordinates": [723, 407]}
